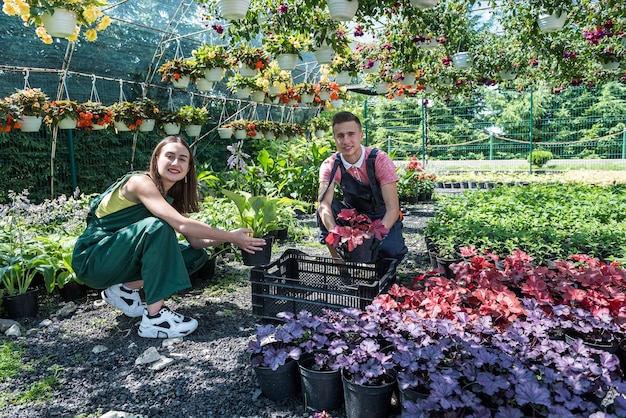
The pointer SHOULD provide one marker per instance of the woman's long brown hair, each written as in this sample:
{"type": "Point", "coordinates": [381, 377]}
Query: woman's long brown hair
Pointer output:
{"type": "Point", "coordinates": [184, 192]}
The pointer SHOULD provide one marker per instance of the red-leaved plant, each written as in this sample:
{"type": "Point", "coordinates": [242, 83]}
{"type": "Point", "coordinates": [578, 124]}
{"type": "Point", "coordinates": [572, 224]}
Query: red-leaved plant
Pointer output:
{"type": "Point", "coordinates": [354, 228]}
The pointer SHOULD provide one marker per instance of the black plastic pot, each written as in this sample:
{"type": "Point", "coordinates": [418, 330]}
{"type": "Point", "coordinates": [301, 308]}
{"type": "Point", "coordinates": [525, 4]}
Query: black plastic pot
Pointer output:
{"type": "Point", "coordinates": [279, 384]}
{"type": "Point", "coordinates": [368, 401]}
{"type": "Point", "coordinates": [24, 304]}
{"type": "Point", "coordinates": [321, 389]}
{"type": "Point", "coordinates": [259, 258]}
{"type": "Point", "coordinates": [73, 291]}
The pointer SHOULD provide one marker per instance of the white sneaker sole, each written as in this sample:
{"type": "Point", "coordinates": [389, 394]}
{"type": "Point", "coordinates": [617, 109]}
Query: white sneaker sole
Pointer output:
{"type": "Point", "coordinates": [156, 332]}
{"type": "Point", "coordinates": [122, 306]}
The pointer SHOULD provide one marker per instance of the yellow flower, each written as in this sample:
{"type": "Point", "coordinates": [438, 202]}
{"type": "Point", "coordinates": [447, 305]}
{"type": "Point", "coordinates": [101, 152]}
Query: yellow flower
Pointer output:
{"type": "Point", "coordinates": [74, 36]}
{"type": "Point", "coordinates": [9, 9]}
{"type": "Point", "coordinates": [90, 14]}
{"type": "Point", "coordinates": [212, 54]}
{"type": "Point", "coordinates": [91, 35]}
{"type": "Point", "coordinates": [41, 32]}
{"type": "Point", "coordinates": [104, 23]}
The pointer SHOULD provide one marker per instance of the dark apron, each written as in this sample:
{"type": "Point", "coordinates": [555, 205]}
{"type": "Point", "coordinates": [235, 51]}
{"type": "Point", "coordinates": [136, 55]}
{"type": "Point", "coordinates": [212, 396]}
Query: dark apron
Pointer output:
{"type": "Point", "coordinates": [366, 199]}
{"type": "Point", "coordinates": [132, 244]}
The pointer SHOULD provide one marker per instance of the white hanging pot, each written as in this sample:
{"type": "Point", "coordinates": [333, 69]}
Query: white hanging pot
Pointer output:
{"type": "Point", "coordinates": [320, 133]}
{"type": "Point", "coordinates": [30, 123]}
{"type": "Point", "coordinates": [193, 130]}
{"type": "Point", "coordinates": [147, 125]}
{"type": "Point", "coordinates": [307, 98]}
{"type": "Point", "coordinates": [373, 69]}
{"type": "Point", "coordinates": [182, 82]}
{"type": "Point", "coordinates": [342, 10]}
{"type": "Point", "coordinates": [551, 22]}
{"type": "Point", "coordinates": [214, 74]}
{"type": "Point", "coordinates": [60, 24]}
{"type": "Point", "coordinates": [240, 133]}
{"type": "Point", "coordinates": [258, 96]}
{"type": "Point", "coordinates": [610, 65]}
{"type": "Point", "coordinates": [424, 4]}
{"type": "Point", "coordinates": [121, 126]}
{"type": "Point", "coordinates": [287, 62]}
{"type": "Point", "coordinates": [324, 54]}
{"type": "Point", "coordinates": [269, 135]}
{"type": "Point", "coordinates": [508, 74]}
{"type": "Point", "coordinates": [462, 59]}
{"type": "Point", "coordinates": [382, 87]}
{"type": "Point", "coordinates": [67, 123]}
{"type": "Point", "coordinates": [243, 93]}
{"type": "Point", "coordinates": [233, 9]}
{"type": "Point", "coordinates": [273, 90]}
{"type": "Point", "coordinates": [225, 133]}
{"type": "Point", "coordinates": [283, 137]}
{"type": "Point", "coordinates": [343, 78]}
{"type": "Point", "coordinates": [324, 95]}
{"type": "Point", "coordinates": [96, 127]}
{"type": "Point", "coordinates": [203, 84]}
{"type": "Point", "coordinates": [247, 71]}
{"type": "Point", "coordinates": [337, 104]}
{"type": "Point", "coordinates": [409, 79]}
{"type": "Point", "coordinates": [171, 128]}
{"type": "Point", "coordinates": [428, 43]}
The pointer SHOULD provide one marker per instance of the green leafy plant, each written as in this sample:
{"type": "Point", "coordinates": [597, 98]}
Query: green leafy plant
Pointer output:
{"type": "Point", "coordinates": [61, 109]}
{"type": "Point", "coordinates": [30, 102]}
{"type": "Point", "coordinates": [540, 157]}
{"type": "Point", "coordinates": [211, 56]}
{"type": "Point", "coordinates": [177, 68]}
{"type": "Point", "coordinates": [191, 115]}
{"type": "Point", "coordinates": [259, 213]}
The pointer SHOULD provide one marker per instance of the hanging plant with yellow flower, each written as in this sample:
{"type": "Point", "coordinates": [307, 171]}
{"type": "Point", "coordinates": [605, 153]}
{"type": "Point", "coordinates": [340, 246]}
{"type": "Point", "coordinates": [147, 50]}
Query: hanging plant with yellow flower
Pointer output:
{"type": "Point", "coordinates": [88, 14]}
{"type": "Point", "coordinates": [273, 76]}
{"type": "Point", "coordinates": [285, 43]}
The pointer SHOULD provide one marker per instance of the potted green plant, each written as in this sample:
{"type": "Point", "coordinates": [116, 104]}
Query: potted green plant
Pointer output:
{"type": "Point", "coordinates": [259, 213]}
{"type": "Point", "coordinates": [242, 86]}
{"type": "Point", "coordinates": [72, 15]}
{"type": "Point", "coordinates": [63, 113]}
{"type": "Point", "coordinates": [94, 116]}
{"type": "Point", "coordinates": [170, 121]}
{"type": "Point", "coordinates": [9, 116]}
{"type": "Point", "coordinates": [286, 48]}
{"type": "Point", "coordinates": [211, 61]}
{"type": "Point", "coordinates": [249, 59]}
{"type": "Point", "coordinates": [127, 116]}
{"type": "Point", "coordinates": [178, 71]}
{"type": "Point", "coordinates": [193, 118]}
{"type": "Point", "coordinates": [32, 105]}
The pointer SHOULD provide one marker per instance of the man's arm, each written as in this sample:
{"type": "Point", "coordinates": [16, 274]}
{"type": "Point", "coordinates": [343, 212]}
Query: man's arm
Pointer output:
{"type": "Point", "coordinates": [325, 199]}
{"type": "Point", "coordinates": [392, 204]}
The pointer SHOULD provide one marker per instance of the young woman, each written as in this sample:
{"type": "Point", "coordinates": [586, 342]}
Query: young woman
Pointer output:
{"type": "Point", "coordinates": [131, 240]}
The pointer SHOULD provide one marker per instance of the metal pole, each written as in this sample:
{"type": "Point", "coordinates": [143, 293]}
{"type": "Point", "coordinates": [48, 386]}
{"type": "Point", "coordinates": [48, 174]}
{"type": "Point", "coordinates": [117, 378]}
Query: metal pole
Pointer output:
{"type": "Point", "coordinates": [530, 134]}
{"type": "Point", "coordinates": [490, 147]}
{"type": "Point", "coordinates": [70, 139]}
{"type": "Point", "coordinates": [624, 144]}
{"type": "Point", "coordinates": [424, 133]}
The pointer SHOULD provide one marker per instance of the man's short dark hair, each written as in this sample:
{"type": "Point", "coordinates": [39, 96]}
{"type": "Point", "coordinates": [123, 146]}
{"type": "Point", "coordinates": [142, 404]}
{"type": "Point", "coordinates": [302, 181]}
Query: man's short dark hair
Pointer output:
{"type": "Point", "coordinates": [345, 116]}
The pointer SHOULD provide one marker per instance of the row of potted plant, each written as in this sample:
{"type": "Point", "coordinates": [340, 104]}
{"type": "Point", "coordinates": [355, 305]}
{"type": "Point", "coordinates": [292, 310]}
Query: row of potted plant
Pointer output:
{"type": "Point", "coordinates": [270, 130]}
{"type": "Point", "coordinates": [492, 341]}
{"type": "Point", "coordinates": [547, 221]}
{"type": "Point", "coordinates": [414, 183]}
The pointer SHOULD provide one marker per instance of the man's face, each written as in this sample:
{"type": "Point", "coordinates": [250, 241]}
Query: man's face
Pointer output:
{"type": "Point", "coordinates": [348, 137]}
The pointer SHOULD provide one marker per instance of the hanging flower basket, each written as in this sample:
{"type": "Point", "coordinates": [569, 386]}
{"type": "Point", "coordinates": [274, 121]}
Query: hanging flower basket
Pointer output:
{"type": "Point", "coordinates": [193, 130]}
{"type": "Point", "coordinates": [342, 10]}
{"type": "Point", "coordinates": [508, 74]}
{"type": "Point", "coordinates": [240, 134]}
{"type": "Point", "coordinates": [243, 93]}
{"type": "Point", "coordinates": [247, 71]}
{"type": "Point", "coordinates": [610, 65]}
{"type": "Point", "coordinates": [336, 104]}
{"type": "Point", "coordinates": [551, 22]}
{"type": "Point", "coordinates": [307, 98]}
{"type": "Point", "coordinates": [371, 68]}
{"type": "Point", "coordinates": [324, 54]}
{"type": "Point", "coordinates": [60, 24]}
{"type": "Point", "coordinates": [182, 82]}
{"type": "Point", "coordinates": [343, 78]}
{"type": "Point", "coordinates": [30, 123]}
{"type": "Point", "coordinates": [202, 84]}
{"type": "Point", "coordinates": [233, 9]}
{"type": "Point", "coordinates": [287, 62]}
{"type": "Point", "coordinates": [171, 128]}
{"type": "Point", "coordinates": [382, 87]}
{"type": "Point", "coordinates": [214, 74]}
{"type": "Point", "coordinates": [462, 59]}
{"type": "Point", "coordinates": [68, 123]}
{"type": "Point", "coordinates": [258, 96]}
{"type": "Point", "coordinates": [424, 4]}
{"type": "Point", "coordinates": [225, 133]}
{"type": "Point", "coordinates": [147, 125]}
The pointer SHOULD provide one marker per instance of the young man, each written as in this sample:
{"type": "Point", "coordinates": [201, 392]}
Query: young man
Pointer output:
{"type": "Point", "coordinates": [367, 178]}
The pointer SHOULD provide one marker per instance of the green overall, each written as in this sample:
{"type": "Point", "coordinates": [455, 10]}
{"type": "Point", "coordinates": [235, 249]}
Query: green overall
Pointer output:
{"type": "Point", "coordinates": [132, 244]}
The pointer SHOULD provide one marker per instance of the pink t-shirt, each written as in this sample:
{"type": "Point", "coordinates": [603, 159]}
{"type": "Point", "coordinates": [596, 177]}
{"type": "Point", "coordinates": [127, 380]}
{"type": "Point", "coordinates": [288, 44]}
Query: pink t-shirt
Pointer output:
{"type": "Point", "coordinates": [383, 167]}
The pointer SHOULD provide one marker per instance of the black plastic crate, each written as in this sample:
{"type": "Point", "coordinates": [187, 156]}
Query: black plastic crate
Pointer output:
{"type": "Point", "coordinates": [297, 281]}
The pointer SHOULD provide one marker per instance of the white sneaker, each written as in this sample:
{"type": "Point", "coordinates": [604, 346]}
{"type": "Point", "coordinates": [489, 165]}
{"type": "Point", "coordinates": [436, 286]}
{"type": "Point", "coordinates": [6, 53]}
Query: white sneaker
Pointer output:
{"type": "Point", "coordinates": [127, 301]}
{"type": "Point", "coordinates": [166, 324]}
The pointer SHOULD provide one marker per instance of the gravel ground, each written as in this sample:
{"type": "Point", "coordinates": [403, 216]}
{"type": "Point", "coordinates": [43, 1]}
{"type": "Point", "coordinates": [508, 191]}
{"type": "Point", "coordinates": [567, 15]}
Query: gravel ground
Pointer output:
{"type": "Point", "coordinates": [209, 375]}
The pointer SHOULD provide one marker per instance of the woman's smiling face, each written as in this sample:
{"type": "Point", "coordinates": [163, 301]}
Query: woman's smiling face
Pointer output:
{"type": "Point", "coordinates": [173, 163]}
